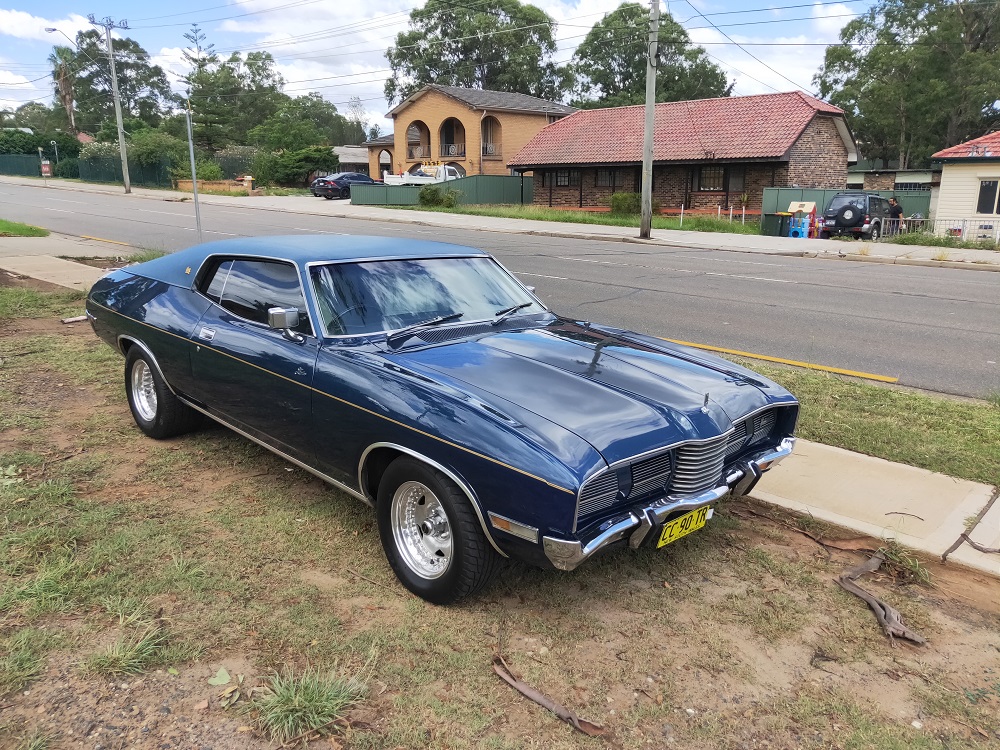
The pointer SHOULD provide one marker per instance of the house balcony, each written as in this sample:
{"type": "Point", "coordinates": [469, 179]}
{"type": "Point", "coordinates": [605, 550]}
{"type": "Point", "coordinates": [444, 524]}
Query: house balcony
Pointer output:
{"type": "Point", "coordinates": [416, 152]}
{"type": "Point", "coordinates": [453, 150]}
{"type": "Point", "coordinates": [492, 151]}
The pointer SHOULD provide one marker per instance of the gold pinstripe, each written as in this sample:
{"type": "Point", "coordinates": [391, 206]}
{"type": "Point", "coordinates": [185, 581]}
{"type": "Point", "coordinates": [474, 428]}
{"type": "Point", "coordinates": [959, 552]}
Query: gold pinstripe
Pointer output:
{"type": "Point", "coordinates": [347, 403]}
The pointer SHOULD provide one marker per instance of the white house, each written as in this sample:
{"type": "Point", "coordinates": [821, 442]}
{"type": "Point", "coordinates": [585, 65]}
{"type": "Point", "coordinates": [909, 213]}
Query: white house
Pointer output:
{"type": "Point", "coordinates": [969, 202]}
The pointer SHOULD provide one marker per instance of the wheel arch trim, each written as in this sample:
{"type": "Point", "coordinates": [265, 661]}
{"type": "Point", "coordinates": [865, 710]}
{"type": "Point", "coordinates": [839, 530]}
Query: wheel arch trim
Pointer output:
{"type": "Point", "coordinates": [132, 341]}
{"type": "Point", "coordinates": [462, 484]}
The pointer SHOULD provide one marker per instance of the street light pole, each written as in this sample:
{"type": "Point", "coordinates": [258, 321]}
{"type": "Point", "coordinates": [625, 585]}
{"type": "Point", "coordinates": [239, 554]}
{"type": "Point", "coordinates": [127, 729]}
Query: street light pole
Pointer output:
{"type": "Point", "coordinates": [107, 24]}
{"type": "Point", "coordinates": [652, 60]}
{"type": "Point", "coordinates": [56, 147]}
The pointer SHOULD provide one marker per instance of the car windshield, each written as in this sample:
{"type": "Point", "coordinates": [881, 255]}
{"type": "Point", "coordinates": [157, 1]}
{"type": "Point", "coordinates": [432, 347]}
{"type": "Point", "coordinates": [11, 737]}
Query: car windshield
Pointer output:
{"type": "Point", "coordinates": [839, 201]}
{"type": "Point", "coordinates": [375, 296]}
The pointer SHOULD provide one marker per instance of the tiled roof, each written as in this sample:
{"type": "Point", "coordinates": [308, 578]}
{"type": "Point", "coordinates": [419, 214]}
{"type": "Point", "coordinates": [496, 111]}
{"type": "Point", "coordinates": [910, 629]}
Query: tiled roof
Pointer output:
{"type": "Point", "coordinates": [735, 127]}
{"type": "Point", "coordinates": [985, 147]}
{"type": "Point", "coordinates": [381, 140]}
{"type": "Point", "coordinates": [483, 99]}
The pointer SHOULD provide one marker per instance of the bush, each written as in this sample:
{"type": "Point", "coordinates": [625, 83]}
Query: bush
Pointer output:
{"type": "Point", "coordinates": [450, 198]}
{"type": "Point", "coordinates": [430, 195]}
{"type": "Point", "coordinates": [264, 168]}
{"type": "Point", "coordinates": [630, 204]}
{"type": "Point", "coordinates": [208, 171]}
{"type": "Point", "coordinates": [67, 168]}
{"type": "Point", "coordinates": [99, 150]}
{"type": "Point", "coordinates": [150, 147]}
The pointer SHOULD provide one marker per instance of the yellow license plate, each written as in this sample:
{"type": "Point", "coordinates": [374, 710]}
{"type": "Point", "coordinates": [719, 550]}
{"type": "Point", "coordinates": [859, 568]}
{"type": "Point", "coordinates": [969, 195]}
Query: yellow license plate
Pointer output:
{"type": "Point", "coordinates": [680, 527]}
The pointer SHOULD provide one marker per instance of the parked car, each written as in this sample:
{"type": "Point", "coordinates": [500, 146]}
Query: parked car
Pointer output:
{"type": "Point", "coordinates": [425, 380]}
{"type": "Point", "coordinates": [857, 214]}
{"type": "Point", "coordinates": [339, 185]}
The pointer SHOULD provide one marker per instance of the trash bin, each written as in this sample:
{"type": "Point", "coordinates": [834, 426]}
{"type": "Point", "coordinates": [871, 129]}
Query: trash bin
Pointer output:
{"type": "Point", "coordinates": [784, 221]}
{"type": "Point", "coordinates": [770, 224]}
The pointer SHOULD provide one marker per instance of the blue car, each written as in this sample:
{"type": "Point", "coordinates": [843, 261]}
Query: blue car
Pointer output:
{"type": "Point", "coordinates": [427, 381]}
{"type": "Point", "coordinates": [338, 185]}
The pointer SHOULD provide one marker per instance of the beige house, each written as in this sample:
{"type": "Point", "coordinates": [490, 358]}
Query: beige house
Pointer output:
{"type": "Point", "coordinates": [969, 201]}
{"type": "Point", "coordinates": [469, 129]}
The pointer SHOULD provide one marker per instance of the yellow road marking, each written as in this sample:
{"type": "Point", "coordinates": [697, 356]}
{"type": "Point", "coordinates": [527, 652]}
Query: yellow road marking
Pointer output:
{"type": "Point", "coordinates": [101, 239]}
{"type": "Point", "coordinates": [767, 358]}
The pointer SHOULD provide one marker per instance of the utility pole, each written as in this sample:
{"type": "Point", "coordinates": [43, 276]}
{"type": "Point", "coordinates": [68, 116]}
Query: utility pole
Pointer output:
{"type": "Point", "coordinates": [652, 60]}
{"type": "Point", "coordinates": [107, 24]}
{"type": "Point", "coordinates": [194, 171]}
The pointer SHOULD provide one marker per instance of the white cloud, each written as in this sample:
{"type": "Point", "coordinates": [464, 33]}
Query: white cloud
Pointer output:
{"type": "Point", "coordinates": [829, 20]}
{"type": "Point", "coordinates": [23, 25]}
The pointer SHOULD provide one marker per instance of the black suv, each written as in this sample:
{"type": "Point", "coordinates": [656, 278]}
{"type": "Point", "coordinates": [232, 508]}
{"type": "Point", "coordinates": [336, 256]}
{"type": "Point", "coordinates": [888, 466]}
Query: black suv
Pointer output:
{"type": "Point", "coordinates": [857, 214]}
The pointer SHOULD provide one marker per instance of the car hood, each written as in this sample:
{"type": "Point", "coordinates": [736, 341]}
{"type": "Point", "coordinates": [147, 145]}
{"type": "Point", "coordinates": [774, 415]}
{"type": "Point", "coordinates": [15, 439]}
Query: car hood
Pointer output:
{"type": "Point", "coordinates": [623, 394]}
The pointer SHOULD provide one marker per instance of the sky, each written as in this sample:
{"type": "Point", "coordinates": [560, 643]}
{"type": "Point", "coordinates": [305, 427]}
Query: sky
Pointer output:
{"type": "Point", "coordinates": [337, 48]}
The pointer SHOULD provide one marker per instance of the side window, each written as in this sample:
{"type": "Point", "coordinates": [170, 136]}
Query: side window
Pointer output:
{"type": "Point", "coordinates": [215, 280]}
{"type": "Point", "coordinates": [987, 203]}
{"type": "Point", "coordinates": [255, 286]}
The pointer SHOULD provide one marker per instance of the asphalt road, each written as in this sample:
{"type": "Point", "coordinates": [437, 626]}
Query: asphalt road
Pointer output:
{"type": "Point", "coordinates": [937, 329]}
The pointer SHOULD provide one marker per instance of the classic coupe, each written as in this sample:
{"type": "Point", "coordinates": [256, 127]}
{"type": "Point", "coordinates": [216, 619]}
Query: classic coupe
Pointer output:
{"type": "Point", "coordinates": [426, 380]}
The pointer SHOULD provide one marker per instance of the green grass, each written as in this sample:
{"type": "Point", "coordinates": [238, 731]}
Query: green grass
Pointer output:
{"type": "Point", "coordinates": [16, 302]}
{"type": "Point", "coordinates": [22, 656]}
{"type": "Point", "coordinates": [955, 437]}
{"type": "Point", "coordinates": [16, 229]}
{"type": "Point", "coordinates": [294, 704]}
{"type": "Point", "coordinates": [133, 653]}
{"type": "Point", "coordinates": [927, 239]}
{"type": "Point", "coordinates": [145, 254]}
{"type": "Point", "coordinates": [540, 213]}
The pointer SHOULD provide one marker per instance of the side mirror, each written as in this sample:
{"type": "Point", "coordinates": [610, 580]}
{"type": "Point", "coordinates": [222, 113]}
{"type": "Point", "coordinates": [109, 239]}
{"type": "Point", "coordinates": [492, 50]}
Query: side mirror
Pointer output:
{"type": "Point", "coordinates": [530, 289]}
{"type": "Point", "coordinates": [283, 318]}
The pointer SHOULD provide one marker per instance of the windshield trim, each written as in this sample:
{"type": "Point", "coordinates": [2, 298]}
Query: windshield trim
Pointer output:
{"type": "Point", "coordinates": [388, 331]}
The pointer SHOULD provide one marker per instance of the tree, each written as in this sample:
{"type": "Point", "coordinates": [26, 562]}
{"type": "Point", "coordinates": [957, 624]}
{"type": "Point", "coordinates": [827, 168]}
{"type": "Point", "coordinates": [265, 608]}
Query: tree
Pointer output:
{"type": "Point", "coordinates": [610, 64]}
{"type": "Point", "coordinates": [494, 44]}
{"type": "Point", "coordinates": [286, 131]}
{"type": "Point", "coordinates": [142, 87]}
{"type": "Point", "coordinates": [63, 62]}
{"type": "Point", "coordinates": [916, 76]}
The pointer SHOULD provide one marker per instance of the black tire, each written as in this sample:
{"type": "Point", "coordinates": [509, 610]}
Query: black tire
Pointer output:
{"type": "Point", "coordinates": [328, 196]}
{"type": "Point", "coordinates": [470, 562]}
{"type": "Point", "coordinates": [156, 410]}
{"type": "Point", "coordinates": [848, 216]}
{"type": "Point", "coordinates": [874, 233]}
{"type": "Point", "coordinates": [824, 235]}
{"type": "Point", "coordinates": [345, 192]}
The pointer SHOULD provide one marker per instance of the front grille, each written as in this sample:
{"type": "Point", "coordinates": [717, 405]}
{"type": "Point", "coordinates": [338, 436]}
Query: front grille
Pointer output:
{"type": "Point", "coordinates": [650, 474]}
{"type": "Point", "coordinates": [599, 493]}
{"type": "Point", "coordinates": [699, 466]}
{"type": "Point", "coordinates": [737, 440]}
{"type": "Point", "coordinates": [763, 423]}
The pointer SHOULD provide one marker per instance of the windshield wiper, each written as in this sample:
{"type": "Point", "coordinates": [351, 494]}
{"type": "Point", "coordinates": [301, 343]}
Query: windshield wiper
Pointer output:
{"type": "Point", "coordinates": [502, 315]}
{"type": "Point", "coordinates": [405, 333]}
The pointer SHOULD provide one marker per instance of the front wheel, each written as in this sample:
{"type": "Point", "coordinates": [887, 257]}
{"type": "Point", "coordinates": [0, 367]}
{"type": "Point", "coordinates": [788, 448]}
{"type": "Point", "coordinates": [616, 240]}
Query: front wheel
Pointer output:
{"type": "Point", "coordinates": [156, 410]}
{"type": "Point", "coordinates": [345, 192]}
{"type": "Point", "coordinates": [431, 535]}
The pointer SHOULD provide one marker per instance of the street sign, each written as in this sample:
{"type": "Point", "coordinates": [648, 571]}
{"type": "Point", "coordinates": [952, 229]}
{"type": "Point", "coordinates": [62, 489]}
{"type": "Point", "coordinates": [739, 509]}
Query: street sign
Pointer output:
{"type": "Point", "coordinates": [46, 168]}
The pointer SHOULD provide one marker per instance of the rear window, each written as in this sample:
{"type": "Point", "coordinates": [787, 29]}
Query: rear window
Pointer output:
{"type": "Point", "coordinates": [839, 201]}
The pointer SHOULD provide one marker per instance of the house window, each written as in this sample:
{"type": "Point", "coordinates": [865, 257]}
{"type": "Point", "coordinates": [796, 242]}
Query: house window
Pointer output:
{"type": "Point", "coordinates": [911, 186]}
{"type": "Point", "coordinates": [567, 177]}
{"type": "Point", "coordinates": [735, 180]}
{"type": "Point", "coordinates": [605, 178]}
{"type": "Point", "coordinates": [711, 179]}
{"type": "Point", "coordinates": [987, 197]}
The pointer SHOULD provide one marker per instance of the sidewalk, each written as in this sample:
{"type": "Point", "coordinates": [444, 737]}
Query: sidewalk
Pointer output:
{"type": "Point", "coordinates": [877, 252]}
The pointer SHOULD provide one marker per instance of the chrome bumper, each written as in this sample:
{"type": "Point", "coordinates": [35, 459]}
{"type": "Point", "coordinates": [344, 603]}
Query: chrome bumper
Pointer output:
{"type": "Point", "coordinates": [635, 524]}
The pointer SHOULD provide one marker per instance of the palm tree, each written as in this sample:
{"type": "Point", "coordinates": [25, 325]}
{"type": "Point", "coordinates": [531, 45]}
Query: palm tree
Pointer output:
{"type": "Point", "coordinates": [63, 61]}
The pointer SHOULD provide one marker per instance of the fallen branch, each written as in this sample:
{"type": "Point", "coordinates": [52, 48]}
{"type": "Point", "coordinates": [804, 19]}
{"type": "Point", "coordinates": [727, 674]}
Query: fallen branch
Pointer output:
{"type": "Point", "coordinates": [978, 546]}
{"type": "Point", "coordinates": [888, 617]}
{"type": "Point", "coordinates": [76, 319]}
{"type": "Point", "coordinates": [314, 730]}
{"type": "Point", "coordinates": [353, 572]}
{"type": "Point", "coordinates": [975, 522]}
{"type": "Point", "coordinates": [505, 673]}
{"type": "Point", "coordinates": [902, 513]}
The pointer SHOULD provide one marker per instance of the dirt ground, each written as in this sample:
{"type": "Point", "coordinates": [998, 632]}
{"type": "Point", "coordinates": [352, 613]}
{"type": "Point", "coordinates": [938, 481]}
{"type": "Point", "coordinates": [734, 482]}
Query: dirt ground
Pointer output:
{"type": "Point", "coordinates": [735, 637]}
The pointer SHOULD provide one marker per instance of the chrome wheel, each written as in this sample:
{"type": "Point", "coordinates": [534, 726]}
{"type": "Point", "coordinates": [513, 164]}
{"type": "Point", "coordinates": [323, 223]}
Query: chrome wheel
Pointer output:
{"type": "Point", "coordinates": [143, 390]}
{"type": "Point", "coordinates": [421, 530]}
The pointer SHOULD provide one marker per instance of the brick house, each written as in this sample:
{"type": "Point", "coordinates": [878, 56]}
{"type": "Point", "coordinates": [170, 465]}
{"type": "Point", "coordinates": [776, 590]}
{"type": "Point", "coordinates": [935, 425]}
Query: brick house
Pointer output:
{"type": "Point", "coordinates": [706, 152]}
{"type": "Point", "coordinates": [470, 129]}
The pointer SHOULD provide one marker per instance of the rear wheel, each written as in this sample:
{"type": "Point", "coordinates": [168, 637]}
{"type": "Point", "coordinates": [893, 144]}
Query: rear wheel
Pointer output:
{"type": "Point", "coordinates": [328, 196]}
{"type": "Point", "coordinates": [875, 232]}
{"type": "Point", "coordinates": [156, 410]}
{"type": "Point", "coordinates": [431, 535]}
{"type": "Point", "coordinates": [345, 192]}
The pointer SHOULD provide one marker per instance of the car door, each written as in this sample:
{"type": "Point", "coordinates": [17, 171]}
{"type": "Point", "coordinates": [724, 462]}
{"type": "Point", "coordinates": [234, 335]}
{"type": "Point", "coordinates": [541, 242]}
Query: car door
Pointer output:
{"type": "Point", "coordinates": [255, 377]}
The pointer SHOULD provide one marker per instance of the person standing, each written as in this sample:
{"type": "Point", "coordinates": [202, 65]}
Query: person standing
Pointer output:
{"type": "Point", "coordinates": [895, 215]}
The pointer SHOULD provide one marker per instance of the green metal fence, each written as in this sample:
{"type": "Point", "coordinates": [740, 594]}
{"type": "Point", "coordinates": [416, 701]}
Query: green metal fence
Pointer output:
{"type": "Point", "coordinates": [22, 165]}
{"type": "Point", "coordinates": [109, 169]}
{"type": "Point", "coordinates": [234, 165]}
{"type": "Point", "coordinates": [778, 199]}
{"type": "Point", "coordinates": [475, 190]}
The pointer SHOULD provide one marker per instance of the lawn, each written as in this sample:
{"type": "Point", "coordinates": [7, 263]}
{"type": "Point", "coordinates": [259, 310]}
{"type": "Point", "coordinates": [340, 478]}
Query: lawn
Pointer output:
{"type": "Point", "coordinates": [16, 229]}
{"type": "Point", "coordinates": [691, 223]}
{"type": "Point", "coordinates": [202, 592]}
